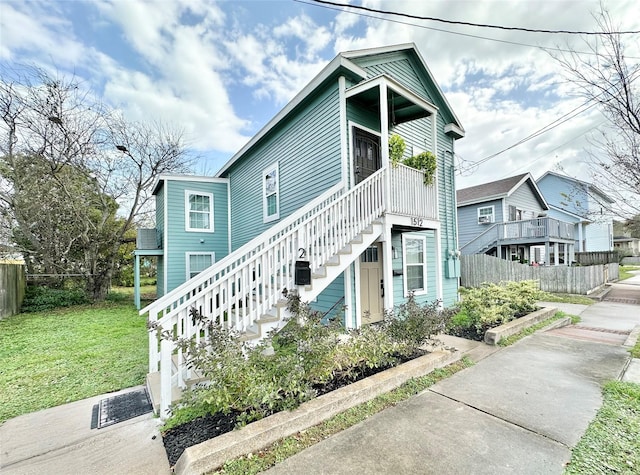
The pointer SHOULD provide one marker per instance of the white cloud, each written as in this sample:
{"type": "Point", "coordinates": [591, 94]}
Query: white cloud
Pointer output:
{"type": "Point", "coordinates": [184, 59]}
{"type": "Point", "coordinates": [29, 29]}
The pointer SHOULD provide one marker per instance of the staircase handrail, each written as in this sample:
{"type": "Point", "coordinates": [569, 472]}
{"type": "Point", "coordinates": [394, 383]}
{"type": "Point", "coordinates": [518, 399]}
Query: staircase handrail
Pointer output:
{"type": "Point", "coordinates": [293, 219]}
{"type": "Point", "coordinates": [184, 295]}
{"type": "Point", "coordinates": [481, 238]}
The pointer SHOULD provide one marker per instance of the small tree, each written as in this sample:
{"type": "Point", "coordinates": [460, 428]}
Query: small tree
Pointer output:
{"type": "Point", "coordinates": [75, 174]}
{"type": "Point", "coordinates": [609, 78]}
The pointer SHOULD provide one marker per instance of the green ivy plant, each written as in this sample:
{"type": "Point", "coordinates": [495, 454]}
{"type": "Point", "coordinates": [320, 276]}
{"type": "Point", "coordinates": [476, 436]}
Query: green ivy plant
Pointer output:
{"type": "Point", "coordinates": [425, 161]}
{"type": "Point", "coordinates": [397, 147]}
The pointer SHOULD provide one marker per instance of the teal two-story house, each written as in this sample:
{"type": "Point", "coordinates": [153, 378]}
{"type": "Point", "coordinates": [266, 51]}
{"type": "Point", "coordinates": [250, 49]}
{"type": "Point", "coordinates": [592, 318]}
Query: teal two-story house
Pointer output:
{"type": "Point", "coordinates": [312, 205]}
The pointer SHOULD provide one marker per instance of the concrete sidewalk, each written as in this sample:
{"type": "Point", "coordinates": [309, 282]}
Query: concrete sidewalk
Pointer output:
{"type": "Point", "coordinates": [60, 441]}
{"type": "Point", "coordinates": [520, 410]}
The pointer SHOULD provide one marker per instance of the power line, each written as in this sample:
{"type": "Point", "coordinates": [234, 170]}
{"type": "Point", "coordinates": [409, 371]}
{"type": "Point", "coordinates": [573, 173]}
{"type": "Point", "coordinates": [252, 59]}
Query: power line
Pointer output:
{"type": "Point", "coordinates": [557, 122]}
{"type": "Point", "coordinates": [441, 30]}
{"type": "Point", "coordinates": [479, 25]}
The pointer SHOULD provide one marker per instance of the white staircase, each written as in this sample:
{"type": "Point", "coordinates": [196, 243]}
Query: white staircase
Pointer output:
{"type": "Point", "coordinates": [245, 290]}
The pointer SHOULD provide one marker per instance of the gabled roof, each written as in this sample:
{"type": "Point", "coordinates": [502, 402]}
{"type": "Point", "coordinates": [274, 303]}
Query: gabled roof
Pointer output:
{"type": "Point", "coordinates": [591, 188]}
{"type": "Point", "coordinates": [571, 216]}
{"type": "Point", "coordinates": [342, 64]}
{"type": "Point", "coordinates": [497, 190]}
{"type": "Point", "coordinates": [412, 50]}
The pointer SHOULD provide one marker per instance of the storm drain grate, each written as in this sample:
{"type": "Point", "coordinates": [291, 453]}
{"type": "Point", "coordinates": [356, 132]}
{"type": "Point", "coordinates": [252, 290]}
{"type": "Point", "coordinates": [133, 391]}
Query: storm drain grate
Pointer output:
{"type": "Point", "coordinates": [120, 408]}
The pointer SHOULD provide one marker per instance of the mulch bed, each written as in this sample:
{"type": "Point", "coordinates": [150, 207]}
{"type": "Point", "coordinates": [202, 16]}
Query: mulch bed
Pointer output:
{"type": "Point", "coordinates": [179, 438]}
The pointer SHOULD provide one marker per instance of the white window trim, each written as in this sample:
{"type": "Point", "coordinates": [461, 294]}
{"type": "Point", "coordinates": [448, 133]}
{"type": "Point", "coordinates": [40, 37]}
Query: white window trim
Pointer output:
{"type": "Point", "coordinates": [265, 217]}
{"type": "Point", "coordinates": [188, 260]}
{"type": "Point", "coordinates": [187, 211]}
{"type": "Point", "coordinates": [493, 213]}
{"type": "Point", "coordinates": [404, 264]}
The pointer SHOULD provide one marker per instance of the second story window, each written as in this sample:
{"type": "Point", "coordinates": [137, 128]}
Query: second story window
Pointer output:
{"type": "Point", "coordinates": [199, 211]}
{"type": "Point", "coordinates": [485, 215]}
{"type": "Point", "coordinates": [271, 193]}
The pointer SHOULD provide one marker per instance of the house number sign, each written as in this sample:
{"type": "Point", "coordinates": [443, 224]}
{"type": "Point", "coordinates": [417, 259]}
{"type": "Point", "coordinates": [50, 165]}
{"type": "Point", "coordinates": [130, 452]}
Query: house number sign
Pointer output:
{"type": "Point", "coordinates": [416, 221]}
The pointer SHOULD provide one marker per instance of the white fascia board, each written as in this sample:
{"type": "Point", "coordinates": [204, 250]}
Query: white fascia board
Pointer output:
{"type": "Point", "coordinates": [529, 177]}
{"type": "Point", "coordinates": [588, 185]}
{"type": "Point", "coordinates": [581, 219]}
{"type": "Point", "coordinates": [198, 178]}
{"type": "Point", "coordinates": [455, 130]}
{"type": "Point", "coordinates": [481, 200]}
{"type": "Point", "coordinates": [359, 53]}
{"type": "Point", "coordinates": [401, 47]}
{"type": "Point", "coordinates": [396, 87]}
{"type": "Point", "coordinates": [338, 62]}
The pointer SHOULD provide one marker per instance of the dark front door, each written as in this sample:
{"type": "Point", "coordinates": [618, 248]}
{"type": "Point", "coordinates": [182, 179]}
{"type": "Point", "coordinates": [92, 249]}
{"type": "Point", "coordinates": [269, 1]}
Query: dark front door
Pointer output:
{"type": "Point", "coordinates": [366, 154]}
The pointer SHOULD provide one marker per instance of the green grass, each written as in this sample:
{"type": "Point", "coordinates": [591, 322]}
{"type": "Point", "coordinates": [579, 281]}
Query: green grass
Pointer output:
{"type": "Point", "coordinates": [532, 329]}
{"type": "Point", "coordinates": [624, 272]}
{"type": "Point", "coordinates": [55, 357]}
{"type": "Point", "coordinates": [635, 351]}
{"type": "Point", "coordinates": [566, 298]}
{"type": "Point", "coordinates": [290, 446]}
{"type": "Point", "coordinates": [611, 443]}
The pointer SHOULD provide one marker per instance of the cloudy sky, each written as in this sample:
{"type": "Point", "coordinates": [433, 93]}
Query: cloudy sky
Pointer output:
{"type": "Point", "coordinates": [222, 69]}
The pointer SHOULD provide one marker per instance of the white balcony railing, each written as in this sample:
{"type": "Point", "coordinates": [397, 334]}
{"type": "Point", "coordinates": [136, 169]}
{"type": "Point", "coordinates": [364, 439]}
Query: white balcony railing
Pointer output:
{"type": "Point", "coordinates": [409, 196]}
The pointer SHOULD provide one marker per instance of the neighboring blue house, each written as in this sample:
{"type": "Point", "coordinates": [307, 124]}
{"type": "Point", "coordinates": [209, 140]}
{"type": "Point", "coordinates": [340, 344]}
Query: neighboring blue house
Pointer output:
{"type": "Point", "coordinates": [583, 204]}
{"type": "Point", "coordinates": [312, 204]}
{"type": "Point", "coordinates": [509, 219]}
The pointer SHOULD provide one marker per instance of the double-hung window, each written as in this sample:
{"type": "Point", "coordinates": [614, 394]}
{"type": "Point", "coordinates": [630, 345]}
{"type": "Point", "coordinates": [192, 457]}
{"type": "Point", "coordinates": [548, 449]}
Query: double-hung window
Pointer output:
{"type": "Point", "coordinates": [271, 193]}
{"type": "Point", "coordinates": [485, 215]}
{"type": "Point", "coordinates": [197, 262]}
{"type": "Point", "coordinates": [415, 264]}
{"type": "Point", "coordinates": [198, 211]}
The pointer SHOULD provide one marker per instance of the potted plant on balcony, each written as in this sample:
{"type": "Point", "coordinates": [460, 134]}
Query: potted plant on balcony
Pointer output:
{"type": "Point", "coordinates": [425, 161]}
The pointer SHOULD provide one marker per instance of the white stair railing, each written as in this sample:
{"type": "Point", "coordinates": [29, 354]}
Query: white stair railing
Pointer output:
{"type": "Point", "coordinates": [246, 285]}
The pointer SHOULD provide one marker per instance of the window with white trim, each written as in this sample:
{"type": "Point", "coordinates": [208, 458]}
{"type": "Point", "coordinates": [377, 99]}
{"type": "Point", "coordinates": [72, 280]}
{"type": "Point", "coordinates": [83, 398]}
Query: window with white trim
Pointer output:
{"type": "Point", "coordinates": [271, 193]}
{"type": "Point", "coordinates": [198, 261]}
{"type": "Point", "coordinates": [414, 258]}
{"type": "Point", "coordinates": [485, 215]}
{"type": "Point", "coordinates": [198, 211]}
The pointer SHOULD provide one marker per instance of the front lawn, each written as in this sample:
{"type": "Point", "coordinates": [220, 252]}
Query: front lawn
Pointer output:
{"type": "Point", "coordinates": [611, 443]}
{"type": "Point", "coordinates": [625, 272]}
{"type": "Point", "coordinates": [58, 356]}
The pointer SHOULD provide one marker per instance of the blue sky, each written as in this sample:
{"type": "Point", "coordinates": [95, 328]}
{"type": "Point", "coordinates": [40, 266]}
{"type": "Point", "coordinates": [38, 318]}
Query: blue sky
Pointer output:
{"type": "Point", "coordinates": [221, 70]}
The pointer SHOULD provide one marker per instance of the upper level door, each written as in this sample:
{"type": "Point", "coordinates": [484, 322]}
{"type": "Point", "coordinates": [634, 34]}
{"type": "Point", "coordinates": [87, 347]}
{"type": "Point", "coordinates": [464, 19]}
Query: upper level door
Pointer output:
{"type": "Point", "coordinates": [366, 154]}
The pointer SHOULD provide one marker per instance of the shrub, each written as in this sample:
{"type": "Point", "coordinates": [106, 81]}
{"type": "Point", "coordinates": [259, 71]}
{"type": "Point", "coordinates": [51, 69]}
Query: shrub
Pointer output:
{"type": "Point", "coordinates": [41, 298]}
{"type": "Point", "coordinates": [307, 354]}
{"type": "Point", "coordinates": [491, 305]}
{"type": "Point", "coordinates": [414, 325]}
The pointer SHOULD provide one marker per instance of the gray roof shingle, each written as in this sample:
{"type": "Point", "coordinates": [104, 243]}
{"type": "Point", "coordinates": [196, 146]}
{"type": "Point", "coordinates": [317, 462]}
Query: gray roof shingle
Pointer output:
{"type": "Point", "coordinates": [494, 189]}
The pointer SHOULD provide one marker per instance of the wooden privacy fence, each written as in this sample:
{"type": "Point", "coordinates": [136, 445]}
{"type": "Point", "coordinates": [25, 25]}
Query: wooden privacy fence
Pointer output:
{"type": "Point", "coordinates": [596, 257]}
{"type": "Point", "coordinates": [12, 287]}
{"type": "Point", "coordinates": [478, 268]}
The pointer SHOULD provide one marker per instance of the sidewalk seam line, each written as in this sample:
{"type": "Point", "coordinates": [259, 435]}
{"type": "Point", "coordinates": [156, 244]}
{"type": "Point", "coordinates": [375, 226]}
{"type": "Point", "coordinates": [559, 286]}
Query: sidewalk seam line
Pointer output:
{"type": "Point", "coordinates": [499, 418]}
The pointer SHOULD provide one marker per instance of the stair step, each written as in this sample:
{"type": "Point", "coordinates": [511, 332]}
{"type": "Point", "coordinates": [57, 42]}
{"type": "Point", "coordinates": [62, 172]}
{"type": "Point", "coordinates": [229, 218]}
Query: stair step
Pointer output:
{"type": "Point", "coordinates": [248, 335]}
{"type": "Point", "coordinates": [267, 318]}
{"type": "Point", "coordinates": [334, 261]}
{"type": "Point", "coordinates": [346, 250]}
